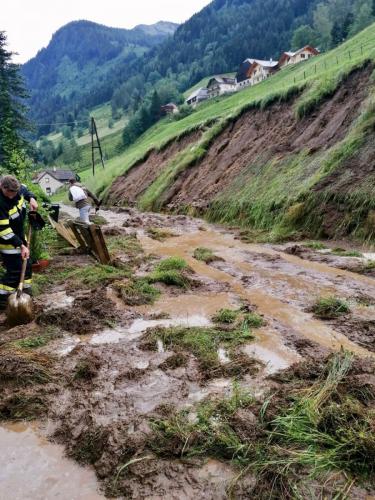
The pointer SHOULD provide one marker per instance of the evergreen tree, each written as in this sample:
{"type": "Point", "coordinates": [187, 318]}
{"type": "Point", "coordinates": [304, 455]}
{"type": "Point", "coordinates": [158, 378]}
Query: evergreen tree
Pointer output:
{"type": "Point", "coordinates": [13, 122]}
{"type": "Point", "coordinates": [155, 107]}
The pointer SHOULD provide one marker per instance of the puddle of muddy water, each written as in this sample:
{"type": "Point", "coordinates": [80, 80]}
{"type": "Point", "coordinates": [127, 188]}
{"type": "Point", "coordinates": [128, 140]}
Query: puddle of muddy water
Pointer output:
{"type": "Point", "coordinates": [31, 468]}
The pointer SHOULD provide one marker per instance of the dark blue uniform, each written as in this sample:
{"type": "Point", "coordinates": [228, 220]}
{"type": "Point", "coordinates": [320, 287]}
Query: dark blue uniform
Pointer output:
{"type": "Point", "coordinates": [12, 236]}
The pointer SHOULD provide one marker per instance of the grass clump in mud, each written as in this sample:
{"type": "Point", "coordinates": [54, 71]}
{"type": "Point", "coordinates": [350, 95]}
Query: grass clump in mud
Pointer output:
{"type": "Point", "coordinates": [315, 245]}
{"type": "Point", "coordinates": [346, 253]}
{"type": "Point", "coordinates": [136, 292]}
{"type": "Point", "coordinates": [159, 234]}
{"type": "Point", "coordinates": [225, 316]}
{"type": "Point", "coordinates": [209, 434]}
{"type": "Point", "coordinates": [330, 307]}
{"type": "Point", "coordinates": [204, 344]}
{"type": "Point", "coordinates": [318, 425]}
{"type": "Point", "coordinates": [22, 407]}
{"type": "Point", "coordinates": [205, 254]}
{"type": "Point", "coordinates": [243, 319]}
{"type": "Point", "coordinates": [127, 244]}
{"type": "Point", "coordinates": [252, 320]}
{"type": "Point", "coordinates": [172, 272]}
{"type": "Point", "coordinates": [23, 368]}
{"type": "Point", "coordinates": [37, 341]}
{"type": "Point", "coordinates": [327, 428]}
{"type": "Point", "coordinates": [172, 264]}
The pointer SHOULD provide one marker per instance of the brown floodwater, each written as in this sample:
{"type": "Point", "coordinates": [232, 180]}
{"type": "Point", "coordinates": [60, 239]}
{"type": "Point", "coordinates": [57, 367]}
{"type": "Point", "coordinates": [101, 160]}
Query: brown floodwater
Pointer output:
{"type": "Point", "coordinates": [31, 468]}
{"type": "Point", "coordinates": [268, 304]}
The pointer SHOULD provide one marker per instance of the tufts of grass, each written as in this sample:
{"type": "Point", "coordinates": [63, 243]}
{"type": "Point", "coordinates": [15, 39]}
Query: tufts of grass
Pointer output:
{"type": "Point", "coordinates": [227, 316]}
{"type": "Point", "coordinates": [346, 253]}
{"type": "Point", "coordinates": [203, 343]}
{"type": "Point", "coordinates": [204, 254]}
{"type": "Point", "coordinates": [22, 368]}
{"type": "Point", "coordinates": [325, 429]}
{"type": "Point", "coordinates": [315, 245]}
{"type": "Point", "coordinates": [252, 320]}
{"type": "Point", "coordinates": [170, 278]}
{"type": "Point", "coordinates": [136, 292]}
{"type": "Point", "coordinates": [330, 307]}
{"type": "Point", "coordinates": [211, 434]}
{"type": "Point", "coordinates": [316, 431]}
{"type": "Point", "coordinates": [22, 407]}
{"type": "Point", "coordinates": [38, 341]}
{"type": "Point", "coordinates": [159, 234]}
{"type": "Point", "coordinates": [128, 245]}
{"type": "Point", "coordinates": [172, 272]}
{"type": "Point", "coordinates": [172, 264]}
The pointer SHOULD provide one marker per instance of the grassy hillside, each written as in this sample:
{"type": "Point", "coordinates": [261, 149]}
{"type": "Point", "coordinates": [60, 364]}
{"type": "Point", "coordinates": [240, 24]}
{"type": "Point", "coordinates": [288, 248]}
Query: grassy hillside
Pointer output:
{"type": "Point", "coordinates": [319, 77]}
{"type": "Point", "coordinates": [102, 115]}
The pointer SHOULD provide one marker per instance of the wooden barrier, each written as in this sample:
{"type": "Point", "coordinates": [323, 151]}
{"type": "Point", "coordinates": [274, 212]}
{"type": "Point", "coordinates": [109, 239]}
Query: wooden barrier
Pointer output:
{"type": "Point", "coordinates": [88, 237]}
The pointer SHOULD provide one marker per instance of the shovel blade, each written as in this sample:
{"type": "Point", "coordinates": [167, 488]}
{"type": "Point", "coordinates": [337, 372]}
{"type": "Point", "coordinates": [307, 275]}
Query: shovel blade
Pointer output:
{"type": "Point", "coordinates": [20, 310]}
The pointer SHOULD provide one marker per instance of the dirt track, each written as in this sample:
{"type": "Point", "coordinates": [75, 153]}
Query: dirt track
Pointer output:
{"type": "Point", "coordinates": [104, 417]}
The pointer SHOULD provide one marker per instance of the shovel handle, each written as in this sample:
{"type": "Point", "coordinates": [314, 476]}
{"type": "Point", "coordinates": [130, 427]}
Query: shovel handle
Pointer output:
{"type": "Point", "coordinates": [23, 268]}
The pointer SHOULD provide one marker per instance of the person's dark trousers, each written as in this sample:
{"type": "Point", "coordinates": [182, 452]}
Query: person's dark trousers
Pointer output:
{"type": "Point", "coordinates": [10, 280]}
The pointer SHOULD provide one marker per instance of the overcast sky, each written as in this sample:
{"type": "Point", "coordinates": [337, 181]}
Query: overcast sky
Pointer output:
{"type": "Point", "coordinates": [29, 24]}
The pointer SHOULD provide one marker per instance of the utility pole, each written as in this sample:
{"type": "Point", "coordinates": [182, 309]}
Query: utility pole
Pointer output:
{"type": "Point", "coordinates": [94, 131]}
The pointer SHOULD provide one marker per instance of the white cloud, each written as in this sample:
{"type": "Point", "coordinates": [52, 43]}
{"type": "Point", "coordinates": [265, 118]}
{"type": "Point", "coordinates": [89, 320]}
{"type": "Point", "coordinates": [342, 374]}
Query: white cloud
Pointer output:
{"type": "Point", "coordinates": [29, 24]}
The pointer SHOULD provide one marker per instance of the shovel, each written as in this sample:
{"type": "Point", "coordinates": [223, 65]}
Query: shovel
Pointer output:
{"type": "Point", "coordinates": [20, 309]}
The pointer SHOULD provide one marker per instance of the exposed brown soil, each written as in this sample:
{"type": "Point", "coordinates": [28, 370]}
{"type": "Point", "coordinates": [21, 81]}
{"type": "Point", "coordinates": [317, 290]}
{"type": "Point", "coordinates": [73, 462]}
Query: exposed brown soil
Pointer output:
{"type": "Point", "coordinates": [88, 314]}
{"type": "Point", "coordinates": [360, 330]}
{"type": "Point", "coordinates": [127, 188]}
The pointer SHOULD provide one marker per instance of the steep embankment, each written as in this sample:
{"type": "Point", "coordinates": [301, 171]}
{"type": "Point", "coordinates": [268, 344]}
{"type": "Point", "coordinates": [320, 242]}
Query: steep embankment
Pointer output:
{"type": "Point", "coordinates": [271, 170]}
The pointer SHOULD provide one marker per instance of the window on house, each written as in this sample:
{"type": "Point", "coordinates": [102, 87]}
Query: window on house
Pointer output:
{"type": "Point", "coordinates": [303, 56]}
{"type": "Point", "coordinates": [48, 190]}
{"type": "Point", "coordinates": [47, 180]}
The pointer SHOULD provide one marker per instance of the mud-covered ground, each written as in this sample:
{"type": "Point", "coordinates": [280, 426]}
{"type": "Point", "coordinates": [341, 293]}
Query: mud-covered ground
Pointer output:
{"type": "Point", "coordinates": [123, 361]}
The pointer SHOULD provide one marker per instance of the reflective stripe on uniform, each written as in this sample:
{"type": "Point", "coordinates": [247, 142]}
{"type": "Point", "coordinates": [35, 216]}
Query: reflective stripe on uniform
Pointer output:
{"type": "Point", "coordinates": [6, 289]}
{"type": "Point", "coordinates": [14, 215]}
{"type": "Point", "coordinates": [4, 222]}
{"type": "Point", "coordinates": [21, 202]}
{"type": "Point", "coordinates": [8, 236]}
{"type": "Point", "coordinates": [9, 250]}
{"type": "Point", "coordinates": [6, 231]}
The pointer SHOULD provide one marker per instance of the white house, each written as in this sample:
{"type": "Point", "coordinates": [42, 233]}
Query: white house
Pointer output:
{"type": "Point", "coordinates": [53, 179]}
{"type": "Point", "coordinates": [300, 55]}
{"type": "Point", "coordinates": [220, 85]}
{"type": "Point", "coordinates": [198, 96]}
{"type": "Point", "coordinates": [253, 71]}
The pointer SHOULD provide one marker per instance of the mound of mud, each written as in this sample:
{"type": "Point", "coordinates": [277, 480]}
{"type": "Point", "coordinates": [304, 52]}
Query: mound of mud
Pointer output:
{"type": "Point", "coordinates": [87, 314]}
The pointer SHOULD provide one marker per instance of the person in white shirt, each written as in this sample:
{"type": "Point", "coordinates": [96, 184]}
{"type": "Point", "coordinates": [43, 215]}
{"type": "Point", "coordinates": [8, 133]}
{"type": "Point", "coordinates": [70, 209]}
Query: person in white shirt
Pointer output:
{"type": "Point", "coordinates": [80, 195]}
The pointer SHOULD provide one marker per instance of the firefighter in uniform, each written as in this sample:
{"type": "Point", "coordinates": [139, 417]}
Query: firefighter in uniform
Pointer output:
{"type": "Point", "coordinates": [13, 247]}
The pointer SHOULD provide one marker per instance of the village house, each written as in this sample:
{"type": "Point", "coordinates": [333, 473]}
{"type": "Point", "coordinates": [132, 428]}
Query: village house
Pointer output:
{"type": "Point", "coordinates": [253, 71]}
{"type": "Point", "coordinates": [300, 55]}
{"type": "Point", "coordinates": [51, 180]}
{"type": "Point", "coordinates": [169, 109]}
{"type": "Point", "coordinates": [220, 85]}
{"type": "Point", "coordinates": [198, 96]}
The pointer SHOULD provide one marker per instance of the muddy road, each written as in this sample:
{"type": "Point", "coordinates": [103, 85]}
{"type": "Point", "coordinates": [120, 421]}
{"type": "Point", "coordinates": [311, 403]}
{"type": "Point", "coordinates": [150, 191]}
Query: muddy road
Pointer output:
{"type": "Point", "coordinates": [116, 352]}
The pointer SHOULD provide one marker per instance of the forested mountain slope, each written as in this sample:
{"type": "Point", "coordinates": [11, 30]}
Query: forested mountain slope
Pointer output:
{"type": "Point", "coordinates": [215, 40]}
{"type": "Point", "coordinates": [73, 73]}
